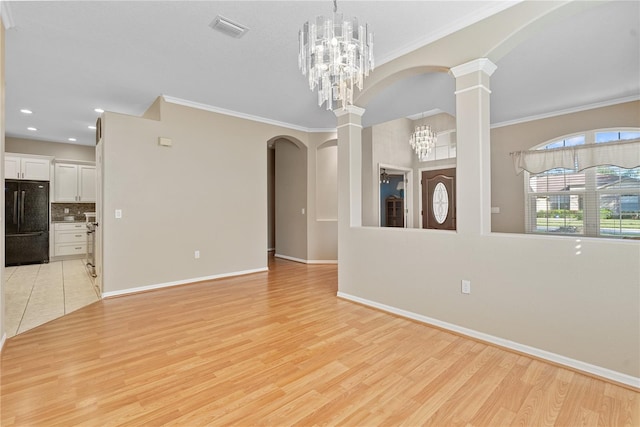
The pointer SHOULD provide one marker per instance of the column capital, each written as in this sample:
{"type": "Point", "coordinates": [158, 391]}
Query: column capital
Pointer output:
{"type": "Point", "coordinates": [349, 109]}
{"type": "Point", "coordinates": [481, 64]}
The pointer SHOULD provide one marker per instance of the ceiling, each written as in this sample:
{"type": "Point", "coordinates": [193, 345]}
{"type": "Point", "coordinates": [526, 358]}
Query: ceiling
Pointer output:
{"type": "Point", "coordinates": [63, 59]}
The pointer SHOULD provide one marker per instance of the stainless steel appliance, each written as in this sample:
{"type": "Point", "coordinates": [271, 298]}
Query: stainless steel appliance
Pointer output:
{"type": "Point", "coordinates": [26, 222]}
{"type": "Point", "coordinates": [91, 248]}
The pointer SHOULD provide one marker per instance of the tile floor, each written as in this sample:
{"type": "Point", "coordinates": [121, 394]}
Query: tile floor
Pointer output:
{"type": "Point", "coordinates": [36, 294]}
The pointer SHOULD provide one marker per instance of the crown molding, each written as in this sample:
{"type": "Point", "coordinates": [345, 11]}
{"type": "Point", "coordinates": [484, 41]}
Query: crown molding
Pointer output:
{"type": "Point", "coordinates": [425, 114]}
{"type": "Point", "coordinates": [566, 111]}
{"type": "Point", "coordinates": [213, 109]}
{"type": "Point", "coordinates": [7, 16]}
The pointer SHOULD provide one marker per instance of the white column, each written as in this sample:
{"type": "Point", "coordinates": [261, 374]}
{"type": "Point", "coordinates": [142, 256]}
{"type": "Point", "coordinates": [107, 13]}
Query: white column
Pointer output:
{"type": "Point", "coordinates": [473, 171]}
{"type": "Point", "coordinates": [349, 180]}
{"type": "Point", "coordinates": [349, 166]}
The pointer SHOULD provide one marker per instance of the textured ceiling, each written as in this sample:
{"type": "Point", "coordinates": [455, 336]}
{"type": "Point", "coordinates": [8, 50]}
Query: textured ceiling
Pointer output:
{"type": "Point", "coordinates": [63, 59]}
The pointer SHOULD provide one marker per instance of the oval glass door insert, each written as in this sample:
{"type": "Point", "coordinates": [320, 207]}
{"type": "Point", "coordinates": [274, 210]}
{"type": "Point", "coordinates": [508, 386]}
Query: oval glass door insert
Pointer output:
{"type": "Point", "coordinates": [440, 203]}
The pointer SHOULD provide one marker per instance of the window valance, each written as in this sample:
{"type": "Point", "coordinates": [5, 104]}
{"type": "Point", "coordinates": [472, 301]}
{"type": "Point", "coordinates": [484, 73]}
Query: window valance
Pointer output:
{"type": "Point", "coordinates": [625, 154]}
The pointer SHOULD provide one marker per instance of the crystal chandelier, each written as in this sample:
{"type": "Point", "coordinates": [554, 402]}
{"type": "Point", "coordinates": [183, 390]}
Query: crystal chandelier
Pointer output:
{"type": "Point", "coordinates": [422, 140]}
{"type": "Point", "coordinates": [335, 55]}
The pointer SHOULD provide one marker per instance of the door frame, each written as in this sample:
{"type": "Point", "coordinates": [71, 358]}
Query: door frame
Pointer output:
{"type": "Point", "coordinates": [408, 191]}
{"type": "Point", "coordinates": [422, 189]}
{"type": "Point", "coordinates": [99, 230]}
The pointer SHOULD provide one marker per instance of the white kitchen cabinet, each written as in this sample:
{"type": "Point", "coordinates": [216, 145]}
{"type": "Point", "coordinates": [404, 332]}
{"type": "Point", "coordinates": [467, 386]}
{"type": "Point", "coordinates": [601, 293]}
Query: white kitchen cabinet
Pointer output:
{"type": "Point", "coordinates": [23, 167]}
{"type": "Point", "coordinates": [74, 183]}
{"type": "Point", "coordinates": [70, 239]}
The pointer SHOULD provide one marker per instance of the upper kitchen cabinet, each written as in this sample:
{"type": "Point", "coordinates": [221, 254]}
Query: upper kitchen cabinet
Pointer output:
{"type": "Point", "coordinates": [74, 183]}
{"type": "Point", "coordinates": [23, 167]}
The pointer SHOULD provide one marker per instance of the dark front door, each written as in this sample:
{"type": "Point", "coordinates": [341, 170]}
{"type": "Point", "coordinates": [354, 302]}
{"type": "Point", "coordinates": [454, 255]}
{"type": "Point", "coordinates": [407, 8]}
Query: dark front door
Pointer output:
{"type": "Point", "coordinates": [439, 199]}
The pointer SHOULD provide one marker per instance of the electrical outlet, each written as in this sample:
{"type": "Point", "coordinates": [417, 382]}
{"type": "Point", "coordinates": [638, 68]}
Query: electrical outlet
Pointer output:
{"type": "Point", "coordinates": [196, 254]}
{"type": "Point", "coordinates": [66, 210]}
{"type": "Point", "coordinates": [466, 287]}
{"type": "Point", "coordinates": [118, 213]}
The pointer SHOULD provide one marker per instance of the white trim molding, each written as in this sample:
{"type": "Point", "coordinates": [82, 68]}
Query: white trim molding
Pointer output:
{"type": "Point", "coordinates": [349, 124]}
{"type": "Point", "coordinates": [290, 258]}
{"type": "Point", "coordinates": [425, 114]}
{"type": "Point", "coordinates": [179, 282]}
{"type": "Point", "coordinates": [213, 109]}
{"type": "Point", "coordinates": [481, 64]}
{"type": "Point", "coordinates": [306, 261]}
{"type": "Point", "coordinates": [501, 342]}
{"type": "Point", "coordinates": [2, 341]}
{"type": "Point", "coordinates": [349, 109]}
{"type": "Point", "coordinates": [467, 89]}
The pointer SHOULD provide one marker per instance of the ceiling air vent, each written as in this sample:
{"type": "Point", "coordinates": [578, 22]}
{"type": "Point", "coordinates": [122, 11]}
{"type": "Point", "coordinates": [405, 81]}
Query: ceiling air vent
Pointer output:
{"type": "Point", "coordinates": [228, 27]}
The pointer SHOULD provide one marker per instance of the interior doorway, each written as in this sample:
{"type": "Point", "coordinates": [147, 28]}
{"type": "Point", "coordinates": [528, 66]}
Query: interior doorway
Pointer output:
{"type": "Point", "coordinates": [394, 197]}
{"type": "Point", "coordinates": [287, 198]}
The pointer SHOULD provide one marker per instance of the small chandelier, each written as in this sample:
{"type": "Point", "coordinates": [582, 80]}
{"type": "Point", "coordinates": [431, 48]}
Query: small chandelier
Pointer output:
{"type": "Point", "coordinates": [384, 177]}
{"type": "Point", "coordinates": [335, 55]}
{"type": "Point", "coordinates": [422, 140]}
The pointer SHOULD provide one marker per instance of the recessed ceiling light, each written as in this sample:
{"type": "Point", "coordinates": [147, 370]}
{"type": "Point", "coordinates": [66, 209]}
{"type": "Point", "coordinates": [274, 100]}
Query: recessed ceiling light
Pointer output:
{"type": "Point", "coordinates": [72, 139]}
{"type": "Point", "coordinates": [91, 127]}
{"type": "Point", "coordinates": [25, 111]}
{"type": "Point", "coordinates": [32, 129]}
{"type": "Point", "coordinates": [98, 110]}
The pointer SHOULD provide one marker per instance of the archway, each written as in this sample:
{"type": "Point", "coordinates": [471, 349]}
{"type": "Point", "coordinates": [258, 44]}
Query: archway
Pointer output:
{"type": "Point", "coordinates": [287, 198]}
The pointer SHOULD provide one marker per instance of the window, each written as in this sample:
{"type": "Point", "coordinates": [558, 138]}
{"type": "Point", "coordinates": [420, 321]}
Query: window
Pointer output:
{"type": "Point", "coordinates": [600, 201]}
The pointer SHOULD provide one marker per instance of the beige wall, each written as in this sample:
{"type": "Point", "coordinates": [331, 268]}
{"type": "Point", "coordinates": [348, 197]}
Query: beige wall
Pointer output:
{"type": "Point", "coordinates": [507, 189]}
{"type": "Point", "coordinates": [207, 192]}
{"type": "Point", "coordinates": [54, 149]}
{"type": "Point", "coordinates": [291, 199]}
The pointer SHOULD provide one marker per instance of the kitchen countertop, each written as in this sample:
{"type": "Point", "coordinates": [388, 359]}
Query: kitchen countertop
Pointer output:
{"type": "Point", "coordinates": [67, 222]}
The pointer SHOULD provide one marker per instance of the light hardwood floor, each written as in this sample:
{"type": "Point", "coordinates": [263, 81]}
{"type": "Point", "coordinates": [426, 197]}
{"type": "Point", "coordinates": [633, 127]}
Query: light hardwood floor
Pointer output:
{"type": "Point", "coordinates": [279, 349]}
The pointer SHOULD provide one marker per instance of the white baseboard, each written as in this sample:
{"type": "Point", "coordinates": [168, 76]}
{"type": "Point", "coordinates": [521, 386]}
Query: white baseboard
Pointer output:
{"type": "Point", "coordinates": [2, 340]}
{"type": "Point", "coordinates": [306, 261]}
{"type": "Point", "coordinates": [179, 282]}
{"type": "Point", "coordinates": [290, 258]}
{"type": "Point", "coordinates": [501, 342]}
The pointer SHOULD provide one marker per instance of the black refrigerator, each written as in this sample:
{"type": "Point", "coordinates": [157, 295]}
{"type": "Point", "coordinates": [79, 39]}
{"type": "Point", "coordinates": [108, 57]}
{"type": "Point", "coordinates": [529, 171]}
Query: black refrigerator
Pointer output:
{"type": "Point", "coordinates": [26, 222]}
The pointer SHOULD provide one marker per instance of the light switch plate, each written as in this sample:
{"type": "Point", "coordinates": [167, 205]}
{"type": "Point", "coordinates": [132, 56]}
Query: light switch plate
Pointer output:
{"type": "Point", "coordinates": [466, 287]}
{"type": "Point", "coordinates": [165, 142]}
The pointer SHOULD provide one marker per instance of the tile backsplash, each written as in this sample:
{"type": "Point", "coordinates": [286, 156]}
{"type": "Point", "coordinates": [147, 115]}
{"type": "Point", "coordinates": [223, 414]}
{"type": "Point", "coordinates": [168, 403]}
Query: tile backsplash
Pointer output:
{"type": "Point", "coordinates": [75, 209]}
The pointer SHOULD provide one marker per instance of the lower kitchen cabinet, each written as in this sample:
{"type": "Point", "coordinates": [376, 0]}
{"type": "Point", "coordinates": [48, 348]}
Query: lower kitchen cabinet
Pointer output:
{"type": "Point", "coordinates": [70, 239]}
